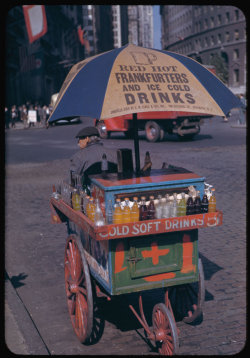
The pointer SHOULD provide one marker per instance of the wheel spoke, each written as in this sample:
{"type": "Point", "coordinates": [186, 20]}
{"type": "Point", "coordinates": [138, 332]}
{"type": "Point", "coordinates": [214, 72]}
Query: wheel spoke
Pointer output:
{"type": "Point", "coordinates": [73, 306]}
{"type": "Point", "coordinates": [78, 289]}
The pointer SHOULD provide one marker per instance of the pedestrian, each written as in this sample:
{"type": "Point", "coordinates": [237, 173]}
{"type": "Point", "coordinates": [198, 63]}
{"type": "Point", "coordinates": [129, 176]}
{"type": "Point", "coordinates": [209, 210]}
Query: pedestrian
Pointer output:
{"type": "Point", "coordinates": [43, 116]}
{"type": "Point", "coordinates": [39, 114]}
{"type": "Point", "coordinates": [47, 116]}
{"type": "Point", "coordinates": [32, 116]}
{"type": "Point", "coordinates": [24, 116]}
{"type": "Point", "coordinates": [88, 159]}
{"type": "Point", "coordinates": [242, 111]}
{"type": "Point", "coordinates": [7, 118]}
{"type": "Point", "coordinates": [13, 116]}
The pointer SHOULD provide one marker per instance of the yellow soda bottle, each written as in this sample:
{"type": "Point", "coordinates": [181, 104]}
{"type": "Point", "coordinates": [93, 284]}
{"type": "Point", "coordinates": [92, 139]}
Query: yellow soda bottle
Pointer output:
{"type": "Point", "coordinates": [117, 217]}
{"type": "Point", "coordinates": [212, 202]}
{"type": "Point", "coordinates": [181, 208]}
{"type": "Point", "coordinates": [135, 212]}
{"type": "Point", "coordinates": [126, 212]}
{"type": "Point", "coordinates": [76, 200]}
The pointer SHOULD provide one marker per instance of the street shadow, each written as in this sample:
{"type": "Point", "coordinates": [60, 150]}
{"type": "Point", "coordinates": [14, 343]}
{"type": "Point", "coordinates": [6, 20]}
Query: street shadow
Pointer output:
{"type": "Point", "coordinates": [196, 138]}
{"type": "Point", "coordinates": [117, 311]}
{"type": "Point", "coordinates": [17, 280]}
{"type": "Point", "coordinates": [209, 267]}
{"type": "Point", "coordinates": [167, 137]}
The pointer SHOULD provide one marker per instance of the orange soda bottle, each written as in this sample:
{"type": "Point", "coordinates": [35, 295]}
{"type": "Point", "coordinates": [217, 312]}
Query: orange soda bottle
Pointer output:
{"type": "Point", "coordinates": [135, 212]}
{"type": "Point", "coordinates": [91, 209]}
{"type": "Point", "coordinates": [212, 202]}
{"type": "Point", "coordinates": [117, 217]}
{"type": "Point", "coordinates": [126, 217]}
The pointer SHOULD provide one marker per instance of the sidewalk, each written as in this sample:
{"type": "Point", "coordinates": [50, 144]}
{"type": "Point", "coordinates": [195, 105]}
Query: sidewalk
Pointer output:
{"type": "Point", "coordinates": [19, 125]}
{"type": "Point", "coordinates": [21, 334]}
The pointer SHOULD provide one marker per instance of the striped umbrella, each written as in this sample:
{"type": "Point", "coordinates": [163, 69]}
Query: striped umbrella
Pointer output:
{"type": "Point", "coordinates": [134, 79]}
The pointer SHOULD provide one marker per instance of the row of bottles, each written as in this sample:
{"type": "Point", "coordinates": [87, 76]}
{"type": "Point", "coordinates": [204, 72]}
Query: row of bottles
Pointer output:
{"type": "Point", "coordinates": [162, 207]}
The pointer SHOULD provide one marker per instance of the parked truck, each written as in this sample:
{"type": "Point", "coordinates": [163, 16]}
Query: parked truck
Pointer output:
{"type": "Point", "coordinates": [155, 124]}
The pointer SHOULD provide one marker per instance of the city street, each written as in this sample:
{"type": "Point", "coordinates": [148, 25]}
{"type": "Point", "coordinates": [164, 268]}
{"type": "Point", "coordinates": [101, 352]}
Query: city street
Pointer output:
{"type": "Point", "coordinates": [37, 319]}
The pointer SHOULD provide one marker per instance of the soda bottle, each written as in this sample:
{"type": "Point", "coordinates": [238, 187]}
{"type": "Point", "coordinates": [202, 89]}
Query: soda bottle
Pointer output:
{"type": "Point", "coordinates": [91, 209]}
{"type": "Point", "coordinates": [135, 212]}
{"type": "Point", "coordinates": [85, 204]}
{"type": "Point", "coordinates": [204, 204]}
{"type": "Point", "coordinates": [143, 209]}
{"type": "Point", "coordinates": [109, 213]}
{"type": "Point", "coordinates": [82, 198]}
{"type": "Point", "coordinates": [197, 203]}
{"type": "Point", "coordinates": [151, 208]}
{"type": "Point", "coordinates": [117, 217]}
{"type": "Point", "coordinates": [166, 208]}
{"type": "Point", "coordinates": [104, 166]}
{"type": "Point", "coordinates": [98, 217]}
{"type": "Point", "coordinates": [158, 208]}
{"type": "Point", "coordinates": [174, 206]}
{"type": "Point", "coordinates": [126, 212]}
{"type": "Point", "coordinates": [190, 205]}
{"type": "Point", "coordinates": [76, 200]}
{"type": "Point", "coordinates": [182, 206]}
{"type": "Point", "coordinates": [212, 202]}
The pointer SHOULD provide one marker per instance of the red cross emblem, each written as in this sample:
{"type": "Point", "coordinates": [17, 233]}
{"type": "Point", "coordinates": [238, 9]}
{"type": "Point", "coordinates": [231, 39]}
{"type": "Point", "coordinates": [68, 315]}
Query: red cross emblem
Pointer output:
{"type": "Point", "coordinates": [154, 253]}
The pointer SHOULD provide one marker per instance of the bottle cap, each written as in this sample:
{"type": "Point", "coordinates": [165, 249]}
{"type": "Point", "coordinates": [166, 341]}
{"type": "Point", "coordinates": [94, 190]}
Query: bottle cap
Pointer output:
{"type": "Point", "coordinates": [118, 199]}
{"type": "Point", "coordinates": [151, 197]}
{"type": "Point", "coordinates": [126, 199]}
{"type": "Point", "coordinates": [143, 198]}
{"type": "Point", "coordinates": [135, 198]}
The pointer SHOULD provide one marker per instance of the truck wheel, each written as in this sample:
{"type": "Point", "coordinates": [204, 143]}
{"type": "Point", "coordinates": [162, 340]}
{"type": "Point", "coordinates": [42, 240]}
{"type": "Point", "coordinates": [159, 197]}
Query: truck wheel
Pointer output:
{"type": "Point", "coordinates": [101, 126]}
{"type": "Point", "coordinates": [153, 131]}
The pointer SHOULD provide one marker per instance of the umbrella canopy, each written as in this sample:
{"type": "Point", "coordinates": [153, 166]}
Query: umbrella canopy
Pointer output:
{"type": "Point", "coordinates": [134, 79]}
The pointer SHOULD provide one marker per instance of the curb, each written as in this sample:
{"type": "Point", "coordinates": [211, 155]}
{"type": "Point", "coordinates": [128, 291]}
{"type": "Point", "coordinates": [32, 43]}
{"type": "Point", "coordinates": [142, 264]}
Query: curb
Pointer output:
{"type": "Point", "coordinates": [238, 126]}
{"type": "Point", "coordinates": [21, 327]}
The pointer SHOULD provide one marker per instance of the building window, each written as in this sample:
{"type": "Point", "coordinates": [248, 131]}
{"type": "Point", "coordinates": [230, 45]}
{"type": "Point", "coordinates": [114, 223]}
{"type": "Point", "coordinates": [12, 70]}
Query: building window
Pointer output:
{"type": "Point", "coordinates": [236, 35]}
{"type": "Point", "coordinates": [219, 38]}
{"type": "Point", "coordinates": [212, 40]}
{"type": "Point", "coordinates": [236, 76]}
{"type": "Point", "coordinates": [236, 15]}
{"type": "Point", "coordinates": [212, 21]}
{"type": "Point", "coordinates": [205, 24]}
{"type": "Point", "coordinates": [227, 38]}
{"type": "Point", "coordinates": [227, 17]}
{"type": "Point", "coordinates": [236, 54]}
{"type": "Point", "coordinates": [219, 19]}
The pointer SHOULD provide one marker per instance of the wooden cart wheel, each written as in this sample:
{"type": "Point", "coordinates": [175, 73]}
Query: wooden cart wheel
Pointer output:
{"type": "Point", "coordinates": [165, 330]}
{"type": "Point", "coordinates": [78, 289]}
{"type": "Point", "coordinates": [187, 300]}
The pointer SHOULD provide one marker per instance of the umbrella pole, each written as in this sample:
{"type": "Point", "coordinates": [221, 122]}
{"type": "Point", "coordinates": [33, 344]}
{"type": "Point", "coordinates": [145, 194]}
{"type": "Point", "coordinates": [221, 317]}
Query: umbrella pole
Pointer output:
{"type": "Point", "coordinates": [136, 144]}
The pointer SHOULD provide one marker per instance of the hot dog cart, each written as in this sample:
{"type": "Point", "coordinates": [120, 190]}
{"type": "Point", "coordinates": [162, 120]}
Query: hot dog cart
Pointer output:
{"type": "Point", "coordinates": [135, 257]}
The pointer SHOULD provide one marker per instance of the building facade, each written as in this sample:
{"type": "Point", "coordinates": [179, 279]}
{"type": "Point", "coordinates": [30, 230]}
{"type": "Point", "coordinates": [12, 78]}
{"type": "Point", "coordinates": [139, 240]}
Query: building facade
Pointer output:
{"type": "Point", "coordinates": [212, 35]}
{"type": "Point", "coordinates": [140, 25]}
{"type": "Point", "coordinates": [34, 71]}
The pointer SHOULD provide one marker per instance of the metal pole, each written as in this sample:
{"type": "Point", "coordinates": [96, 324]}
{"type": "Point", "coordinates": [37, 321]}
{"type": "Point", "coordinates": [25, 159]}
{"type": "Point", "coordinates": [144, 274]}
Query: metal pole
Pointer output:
{"type": "Point", "coordinates": [136, 144]}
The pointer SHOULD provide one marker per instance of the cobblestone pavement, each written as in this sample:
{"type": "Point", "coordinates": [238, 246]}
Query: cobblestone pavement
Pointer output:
{"type": "Point", "coordinates": [34, 259]}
